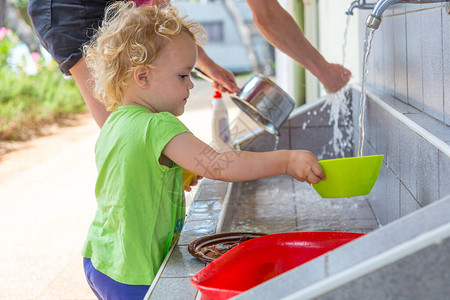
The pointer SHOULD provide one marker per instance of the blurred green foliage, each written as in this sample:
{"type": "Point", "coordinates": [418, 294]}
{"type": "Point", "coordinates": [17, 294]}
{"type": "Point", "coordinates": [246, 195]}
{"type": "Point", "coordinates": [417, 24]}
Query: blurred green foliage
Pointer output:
{"type": "Point", "coordinates": [19, 3]}
{"type": "Point", "coordinates": [27, 101]}
{"type": "Point", "coordinates": [8, 40]}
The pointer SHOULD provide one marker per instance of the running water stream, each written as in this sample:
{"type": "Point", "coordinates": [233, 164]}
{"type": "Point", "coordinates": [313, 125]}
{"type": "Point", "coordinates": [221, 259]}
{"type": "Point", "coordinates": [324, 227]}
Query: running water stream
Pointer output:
{"type": "Point", "coordinates": [367, 46]}
{"type": "Point", "coordinates": [277, 141]}
{"type": "Point", "coordinates": [344, 45]}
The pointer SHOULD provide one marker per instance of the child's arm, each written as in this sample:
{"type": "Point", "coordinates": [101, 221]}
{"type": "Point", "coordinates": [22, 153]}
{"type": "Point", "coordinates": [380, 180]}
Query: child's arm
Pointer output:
{"type": "Point", "coordinates": [194, 155]}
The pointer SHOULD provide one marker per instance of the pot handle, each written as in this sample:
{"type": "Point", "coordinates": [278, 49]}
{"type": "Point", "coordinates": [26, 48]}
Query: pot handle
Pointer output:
{"type": "Point", "coordinates": [202, 75]}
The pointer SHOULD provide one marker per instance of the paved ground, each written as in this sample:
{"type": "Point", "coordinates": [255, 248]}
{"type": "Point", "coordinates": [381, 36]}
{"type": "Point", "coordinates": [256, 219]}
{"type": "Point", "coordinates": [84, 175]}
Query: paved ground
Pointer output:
{"type": "Point", "coordinates": [47, 203]}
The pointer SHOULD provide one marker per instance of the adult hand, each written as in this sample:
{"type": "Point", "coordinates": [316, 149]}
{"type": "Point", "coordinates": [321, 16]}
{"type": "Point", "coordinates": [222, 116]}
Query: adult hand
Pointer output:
{"type": "Point", "coordinates": [337, 77]}
{"type": "Point", "coordinates": [224, 80]}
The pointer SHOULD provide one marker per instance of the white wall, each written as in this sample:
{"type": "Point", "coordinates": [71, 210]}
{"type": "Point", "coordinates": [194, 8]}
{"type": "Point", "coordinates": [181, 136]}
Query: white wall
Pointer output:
{"type": "Point", "coordinates": [284, 64]}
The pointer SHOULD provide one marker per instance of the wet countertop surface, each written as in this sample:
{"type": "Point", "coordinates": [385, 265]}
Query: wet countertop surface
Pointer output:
{"type": "Point", "coordinates": [269, 205]}
{"type": "Point", "coordinates": [283, 204]}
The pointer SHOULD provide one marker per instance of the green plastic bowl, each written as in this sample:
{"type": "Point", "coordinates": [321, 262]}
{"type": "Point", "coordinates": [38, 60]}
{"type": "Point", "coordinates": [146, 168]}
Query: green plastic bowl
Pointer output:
{"type": "Point", "coordinates": [349, 177]}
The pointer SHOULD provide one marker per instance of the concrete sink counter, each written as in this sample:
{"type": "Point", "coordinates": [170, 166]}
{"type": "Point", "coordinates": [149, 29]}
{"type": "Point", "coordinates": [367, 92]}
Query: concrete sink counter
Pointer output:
{"type": "Point", "coordinates": [281, 204]}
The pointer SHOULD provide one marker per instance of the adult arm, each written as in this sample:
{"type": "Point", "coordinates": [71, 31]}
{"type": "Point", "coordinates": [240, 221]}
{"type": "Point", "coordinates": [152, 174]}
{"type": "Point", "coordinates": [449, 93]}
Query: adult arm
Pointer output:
{"type": "Point", "coordinates": [280, 29]}
{"type": "Point", "coordinates": [83, 79]}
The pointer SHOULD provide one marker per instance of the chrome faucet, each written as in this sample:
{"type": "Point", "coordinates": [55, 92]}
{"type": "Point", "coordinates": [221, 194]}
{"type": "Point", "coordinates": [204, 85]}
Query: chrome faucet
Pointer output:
{"type": "Point", "coordinates": [361, 4]}
{"type": "Point", "coordinates": [374, 19]}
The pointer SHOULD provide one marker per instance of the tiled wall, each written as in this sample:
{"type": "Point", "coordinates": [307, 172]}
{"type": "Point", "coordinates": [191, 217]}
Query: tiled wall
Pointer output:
{"type": "Point", "coordinates": [415, 171]}
{"type": "Point", "coordinates": [410, 57]}
{"type": "Point", "coordinates": [416, 168]}
{"type": "Point", "coordinates": [409, 63]}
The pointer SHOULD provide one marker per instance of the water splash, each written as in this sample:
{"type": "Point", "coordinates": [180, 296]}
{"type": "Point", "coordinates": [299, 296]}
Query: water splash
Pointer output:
{"type": "Point", "coordinates": [339, 112]}
{"type": "Point", "coordinates": [367, 46]}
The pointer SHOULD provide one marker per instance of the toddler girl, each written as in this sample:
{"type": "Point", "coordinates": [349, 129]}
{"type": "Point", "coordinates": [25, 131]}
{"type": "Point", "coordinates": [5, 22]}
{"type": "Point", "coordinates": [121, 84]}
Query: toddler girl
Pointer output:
{"type": "Point", "coordinates": [141, 59]}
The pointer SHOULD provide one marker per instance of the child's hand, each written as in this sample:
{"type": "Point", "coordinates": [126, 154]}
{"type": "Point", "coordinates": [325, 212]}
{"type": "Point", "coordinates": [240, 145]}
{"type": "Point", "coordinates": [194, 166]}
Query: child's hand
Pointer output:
{"type": "Point", "coordinates": [303, 166]}
{"type": "Point", "coordinates": [194, 182]}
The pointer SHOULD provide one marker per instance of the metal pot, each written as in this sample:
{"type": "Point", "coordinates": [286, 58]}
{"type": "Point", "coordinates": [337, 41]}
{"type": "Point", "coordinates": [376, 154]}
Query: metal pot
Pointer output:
{"type": "Point", "coordinates": [262, 100]}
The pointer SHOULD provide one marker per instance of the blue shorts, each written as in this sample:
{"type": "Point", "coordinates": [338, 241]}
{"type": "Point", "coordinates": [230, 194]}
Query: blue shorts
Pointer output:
{"type": "Point", "coordinates": [63, 26]}
{"type": "Point", "coordinates": [106, 288]}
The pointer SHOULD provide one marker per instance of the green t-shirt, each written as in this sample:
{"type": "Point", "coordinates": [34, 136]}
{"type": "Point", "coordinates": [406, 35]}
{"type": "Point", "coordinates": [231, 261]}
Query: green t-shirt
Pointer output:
{"type": "Point", "coordinates": [141, 204]}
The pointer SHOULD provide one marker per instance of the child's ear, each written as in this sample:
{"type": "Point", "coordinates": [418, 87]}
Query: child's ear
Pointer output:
{"type": "Point", "coordinates": [142, 76]}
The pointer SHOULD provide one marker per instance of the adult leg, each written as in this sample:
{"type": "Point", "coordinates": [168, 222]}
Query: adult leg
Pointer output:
{"type": "Point", "coordinates": [81, 75]}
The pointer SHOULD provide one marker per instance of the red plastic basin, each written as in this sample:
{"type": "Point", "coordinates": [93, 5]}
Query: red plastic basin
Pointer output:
{"type": "Point", "coordinates": [260, 259]}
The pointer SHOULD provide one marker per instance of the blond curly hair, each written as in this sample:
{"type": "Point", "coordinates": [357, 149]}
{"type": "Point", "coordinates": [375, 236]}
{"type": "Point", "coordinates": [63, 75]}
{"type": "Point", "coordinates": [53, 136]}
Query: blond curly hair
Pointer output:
{"type": "Point", "coordinates": [131, 37]}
